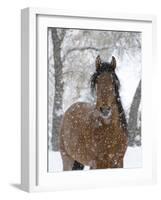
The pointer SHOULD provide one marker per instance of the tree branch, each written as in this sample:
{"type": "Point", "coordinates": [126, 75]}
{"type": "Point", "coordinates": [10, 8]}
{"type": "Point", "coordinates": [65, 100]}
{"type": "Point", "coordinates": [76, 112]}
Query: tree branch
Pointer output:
{"type": "Point", "coordinates": [62, 35]}
{"type": "Point", "coordinates": [83, 49]}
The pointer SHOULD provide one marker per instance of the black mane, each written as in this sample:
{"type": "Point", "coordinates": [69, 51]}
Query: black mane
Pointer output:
{"type": "Point", "coordinates": [106, 67]}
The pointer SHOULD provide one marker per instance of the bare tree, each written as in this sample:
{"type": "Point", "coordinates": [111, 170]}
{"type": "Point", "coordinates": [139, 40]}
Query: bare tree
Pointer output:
{"type": "Point", "coordinates": [133, 129]}
{"type": "Point", "coordinates": [57, 38]}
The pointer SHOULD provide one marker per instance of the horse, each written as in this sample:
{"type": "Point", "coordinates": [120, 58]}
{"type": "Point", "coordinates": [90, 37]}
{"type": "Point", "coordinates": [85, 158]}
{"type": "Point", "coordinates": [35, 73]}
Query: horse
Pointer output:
{"type": "Point", "coordinates": [95, 135]}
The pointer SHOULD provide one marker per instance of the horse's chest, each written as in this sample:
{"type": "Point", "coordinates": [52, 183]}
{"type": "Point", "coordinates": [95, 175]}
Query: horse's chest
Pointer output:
{"type": "Point", "coordinates": [103, 133]}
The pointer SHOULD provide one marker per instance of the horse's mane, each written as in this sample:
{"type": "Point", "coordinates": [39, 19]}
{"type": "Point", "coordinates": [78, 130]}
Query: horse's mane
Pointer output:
{"type": "Point", "coordinates": [106, 67]}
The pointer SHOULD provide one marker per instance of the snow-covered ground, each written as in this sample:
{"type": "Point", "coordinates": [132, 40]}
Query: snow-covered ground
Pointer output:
{"type": "Point", "coordinates": [133, 159]}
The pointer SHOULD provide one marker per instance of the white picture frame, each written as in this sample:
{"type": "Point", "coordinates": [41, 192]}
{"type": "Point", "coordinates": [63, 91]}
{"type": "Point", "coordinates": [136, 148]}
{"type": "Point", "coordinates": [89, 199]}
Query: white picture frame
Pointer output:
{"type": "Point", "coordinates": [34, 175]}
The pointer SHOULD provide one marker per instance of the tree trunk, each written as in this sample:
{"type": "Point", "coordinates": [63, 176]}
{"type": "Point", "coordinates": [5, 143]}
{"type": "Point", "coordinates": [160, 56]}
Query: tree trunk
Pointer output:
{"type": "Point", "coordinates": [133, 130]}
{"type": "Point", "coordinates": [57, 105]}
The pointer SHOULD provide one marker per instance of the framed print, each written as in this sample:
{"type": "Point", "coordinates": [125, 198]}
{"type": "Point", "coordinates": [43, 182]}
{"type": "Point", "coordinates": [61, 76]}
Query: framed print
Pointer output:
{"type": "Point", "coordinates": [86, 104]}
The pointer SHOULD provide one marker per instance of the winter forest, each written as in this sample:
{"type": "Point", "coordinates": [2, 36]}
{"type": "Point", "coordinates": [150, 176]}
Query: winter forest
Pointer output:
{"type": "Point", "coordinates": [71, 62]}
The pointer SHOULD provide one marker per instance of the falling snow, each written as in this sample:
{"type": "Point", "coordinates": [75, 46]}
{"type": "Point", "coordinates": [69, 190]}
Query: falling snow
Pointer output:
{"type": "Point", "coordinates": [78, 66]}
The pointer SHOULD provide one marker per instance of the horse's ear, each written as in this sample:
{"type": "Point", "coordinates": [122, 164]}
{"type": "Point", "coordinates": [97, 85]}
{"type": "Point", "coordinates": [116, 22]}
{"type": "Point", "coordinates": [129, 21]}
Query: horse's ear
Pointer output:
{"type": "Point", "coordinates": [113, 62]}
{"type": "Point", "coordinates": [98, 62]}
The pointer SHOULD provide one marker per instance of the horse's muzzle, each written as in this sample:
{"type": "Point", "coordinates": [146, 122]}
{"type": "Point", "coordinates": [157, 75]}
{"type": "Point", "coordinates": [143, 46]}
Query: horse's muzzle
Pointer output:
{"type": "Point", "coordinates": [105, 111]}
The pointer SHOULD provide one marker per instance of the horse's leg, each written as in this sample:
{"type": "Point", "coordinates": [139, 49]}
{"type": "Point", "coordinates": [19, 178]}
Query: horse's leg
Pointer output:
{"type": "Point", "coordinates": [68, 162]}
{"type": "Point", "coordinates": [66, 159]}
{"type": "Point", "coordinates": [120, 164]}
{"type": "Point", "coordinates": [77, 166]}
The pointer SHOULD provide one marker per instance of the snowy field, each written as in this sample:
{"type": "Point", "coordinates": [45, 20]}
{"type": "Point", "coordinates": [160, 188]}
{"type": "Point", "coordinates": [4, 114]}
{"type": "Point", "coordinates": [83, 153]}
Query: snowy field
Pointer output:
{"type": "Point", "coordinates": [133, 159]}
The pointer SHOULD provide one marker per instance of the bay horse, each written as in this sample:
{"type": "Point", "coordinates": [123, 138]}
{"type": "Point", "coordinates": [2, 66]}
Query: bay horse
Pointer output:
{"type": "Point", "coordinates": [96, 135]}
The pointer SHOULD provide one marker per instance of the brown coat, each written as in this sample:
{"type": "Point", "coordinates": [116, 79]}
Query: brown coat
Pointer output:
{"type": "Point", "coordinates": [96, 135]}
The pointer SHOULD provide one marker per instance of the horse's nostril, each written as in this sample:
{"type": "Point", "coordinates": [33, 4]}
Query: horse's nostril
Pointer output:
{"type": "Point", "coordinates": [105, 110]}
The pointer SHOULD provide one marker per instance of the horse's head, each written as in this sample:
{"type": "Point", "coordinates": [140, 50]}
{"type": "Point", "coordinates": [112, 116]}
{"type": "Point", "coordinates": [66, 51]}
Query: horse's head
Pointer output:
{"type": "Point", "coordinates": [106, 84]}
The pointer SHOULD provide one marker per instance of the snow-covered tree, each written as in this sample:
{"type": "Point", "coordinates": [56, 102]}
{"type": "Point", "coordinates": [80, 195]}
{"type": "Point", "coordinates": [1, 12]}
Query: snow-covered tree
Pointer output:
{"type": "Point", "coordinates": [57, 39]}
